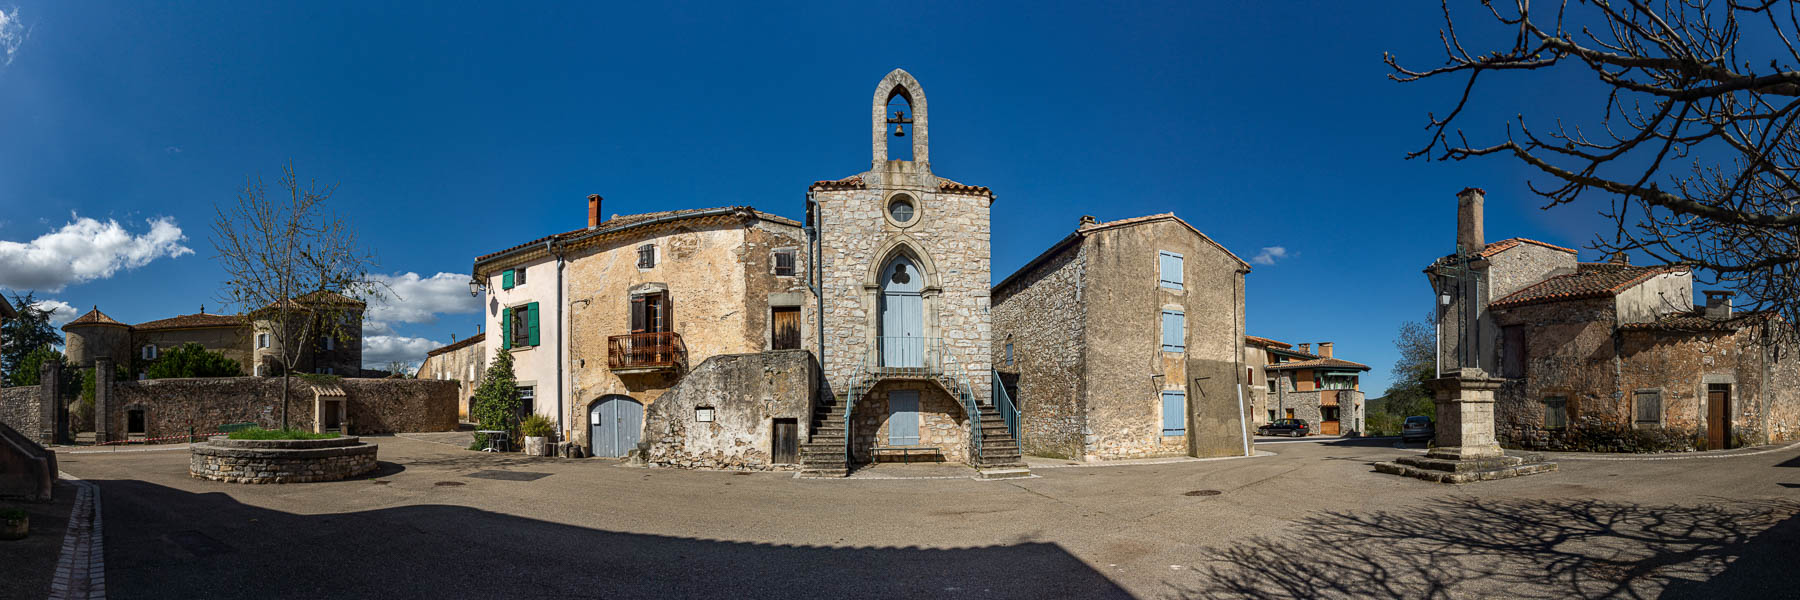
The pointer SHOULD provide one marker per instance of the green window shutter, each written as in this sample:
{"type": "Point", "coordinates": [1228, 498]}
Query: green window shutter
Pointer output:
{"type": "Point", "coordinates": [506, 280]}
{"type": "Point", "coordinates": [506, 326]}
{"type": "Point", "coordinates": [531, 318]}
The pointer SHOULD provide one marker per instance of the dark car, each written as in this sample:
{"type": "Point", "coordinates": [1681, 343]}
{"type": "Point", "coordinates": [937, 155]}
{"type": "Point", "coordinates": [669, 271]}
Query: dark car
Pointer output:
{"type": "Point", "coordinates": [1417, 429]}
{"type": "Point", "coordinates": [1293, 427]}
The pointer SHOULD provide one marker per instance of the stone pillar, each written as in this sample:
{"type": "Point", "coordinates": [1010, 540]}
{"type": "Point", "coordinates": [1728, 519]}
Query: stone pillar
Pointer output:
{"type": "Point", "coordinates": [50, 428]}
{"type": "Point", "coordinates": [1465, 416]}
{"type": "Point", "coordinates": [103, 380]}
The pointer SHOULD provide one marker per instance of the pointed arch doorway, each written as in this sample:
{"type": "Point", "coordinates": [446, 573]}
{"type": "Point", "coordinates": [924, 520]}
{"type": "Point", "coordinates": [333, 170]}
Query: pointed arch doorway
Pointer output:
{"type": "Point", "coordinates": [902, 307]}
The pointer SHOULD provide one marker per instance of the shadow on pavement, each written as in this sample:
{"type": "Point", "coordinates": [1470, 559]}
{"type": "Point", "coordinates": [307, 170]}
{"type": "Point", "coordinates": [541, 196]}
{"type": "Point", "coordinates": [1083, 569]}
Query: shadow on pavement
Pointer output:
{"type": "Point", "coordinates": [168, 543]}
{"type": "Point", "coordinates": [1472, 547]}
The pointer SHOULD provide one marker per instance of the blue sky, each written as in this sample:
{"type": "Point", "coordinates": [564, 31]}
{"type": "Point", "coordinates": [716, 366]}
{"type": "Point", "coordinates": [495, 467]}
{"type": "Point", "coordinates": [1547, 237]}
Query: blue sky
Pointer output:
{"type": "Point", "coordinates": [454, 130]}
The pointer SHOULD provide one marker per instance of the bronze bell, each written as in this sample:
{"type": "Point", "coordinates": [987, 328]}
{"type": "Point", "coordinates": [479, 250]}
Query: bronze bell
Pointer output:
{"type": "Point", "coordinates": [898, 132]}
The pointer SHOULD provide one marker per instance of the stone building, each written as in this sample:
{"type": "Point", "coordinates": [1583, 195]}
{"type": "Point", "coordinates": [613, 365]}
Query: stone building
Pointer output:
{"type": "Point", "coordinates": [1608, 356]}
{"type": "Point", "coordinates": [249, 341]}
{"type": "Point", "coordinates": [601, 321]}
{"type": "Point", "coordinates": [1321, 389]}
{"type": "Point", "coordinates": [463, 361]}
{"type": "Point", "coordinates": [1125, 340]}
{"type": "Point", "coordinates": [330, 349]}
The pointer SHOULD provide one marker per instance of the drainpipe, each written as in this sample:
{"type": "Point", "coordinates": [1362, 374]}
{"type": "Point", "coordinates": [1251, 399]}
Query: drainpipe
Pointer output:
{"type": "Point", "coordinates": [551, 247]}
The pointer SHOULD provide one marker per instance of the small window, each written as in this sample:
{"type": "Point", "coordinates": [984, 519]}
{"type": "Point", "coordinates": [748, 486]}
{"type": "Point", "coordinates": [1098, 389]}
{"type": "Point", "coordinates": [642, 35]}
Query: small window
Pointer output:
{"type": "Point", "coordinates": [1009, 353]}
{"type": "Point", "coordinates": [646, 256]}
{"type": "Point", "coordinates": [329, 343]}
{"type": "Point", "coordinates": [1174, 338]}
{"type": "Point", "coordinates": [1556, 412]}
{"type": "Point", "coordinates": [1271, 415]}
{"type": "Point", "coordinates": [1649, 408]}
{"type": "Point", "coordinates": [1512, 347]}
{"type": "Point", "coordinates": [262, 340]}
{"type": "Point", "coordinates": [527, 400]}
{"type": "Point", "coordinates": [519, 277]}
{"type": "Point", "coordinates": [258, 370]}
{"type": "Point", "coordinates": [901, 209]}
{"type": "Point", "coordinates": [520, 319]}
{"type": "Point", "coordinates": [1174, 413]}
{"type": "Point", "coordinates": [1170, 265]}
{"type": "Point", "coordinates": [149, 352]}
{"type": "Point", "coordinates": [784, 262]}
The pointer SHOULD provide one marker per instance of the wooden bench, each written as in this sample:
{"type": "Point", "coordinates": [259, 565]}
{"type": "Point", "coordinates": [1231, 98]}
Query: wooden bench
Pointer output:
{"type": "Point", "coordinates": [905, 451]}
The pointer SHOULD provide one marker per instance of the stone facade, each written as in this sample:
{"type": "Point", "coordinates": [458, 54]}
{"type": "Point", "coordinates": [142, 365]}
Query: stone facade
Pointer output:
{"type": "Point", "coordinates": [743, 395]}
{"type": "Point", "coordinates": [1295, 383]}
{"type": "Point", "coordinates": [20, 408]}
{"type": "Point", "coordinates": [280, 461]}
{"type": "Point", "coordinates": [1110, 277]}
{"type": "Point", "coordinates": [172, 408]}
{"type": "Point", "coordinates": [942, 424]}
{"type": "Point", "coordinates": [464, 362]}
{"type": "Point", "coordinates": [252, 343]}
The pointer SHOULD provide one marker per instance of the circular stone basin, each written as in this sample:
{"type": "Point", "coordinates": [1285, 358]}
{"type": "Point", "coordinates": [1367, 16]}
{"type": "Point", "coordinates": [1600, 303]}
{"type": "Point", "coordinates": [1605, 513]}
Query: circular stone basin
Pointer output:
{"type": "Point", "coordinates": [280, 461]}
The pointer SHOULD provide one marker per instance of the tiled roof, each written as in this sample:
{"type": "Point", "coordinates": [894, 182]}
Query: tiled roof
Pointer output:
{"type": "Point", "coordinates": [320, 297]}
{"type": "Point", "coordinates": [621, 221]}
{"type": "Point", "coordinates": [945, 185]}
{"type": "Point", "coordinates": [464, 343]}
{"type": "Point", "coordinates": [1266, 342]}
{"type": "Point", "coordinates": [1590, 280]}
{"type": "Point", "coordinates": [93, 317]}
{"type": "Point", "coordinates": [1087, 228]}
{"type": "Point", "coordinates": [1696, 320]}
{"type": "Point", "coordinates": [1503, 245]}
{"type": "Point", "coordinates": [1319, 363]}
{"type": "Point", "coordinates": [193, 321]}
{"type": "Point", "coordinates": [853, 182]}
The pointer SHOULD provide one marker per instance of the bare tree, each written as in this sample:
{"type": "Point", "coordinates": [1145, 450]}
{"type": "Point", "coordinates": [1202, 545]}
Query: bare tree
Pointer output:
{"type": "Point", "coordinates": [291, 265]}
{"type": "Point", "coordinates": [1700, 96]}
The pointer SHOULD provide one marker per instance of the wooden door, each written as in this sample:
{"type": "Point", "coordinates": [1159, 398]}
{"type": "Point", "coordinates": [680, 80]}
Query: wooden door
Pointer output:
{"type": "Point", "coordinates": [784, 328]}
{"type": "Point", "coordinates": [786, 441]}
{"type": "Point", "coordinates": [1718, 411]}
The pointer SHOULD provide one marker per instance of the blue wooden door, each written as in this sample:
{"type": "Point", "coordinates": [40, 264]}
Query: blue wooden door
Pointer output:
{"type": "Point", "coordinates": [615, 426]}
{"type": "Point", "coordinates": [903, 418]}
{"type": "Point", "coordinates": [902, 315]}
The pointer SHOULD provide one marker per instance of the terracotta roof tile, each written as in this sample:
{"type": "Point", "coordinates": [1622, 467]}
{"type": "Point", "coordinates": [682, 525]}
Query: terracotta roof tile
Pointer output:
{"type": "Point", "coordinates": [193, 321]}
{"type": "Point", "coordinates": [1317, 364]}
{"type": "Point", "coordinates": [1263, 341]}
{"type": "Point", "coordinates": [1590, 280]}
{"type": "Point", "coordinates": [853, 182]}
{"type": "Point", "coordinates": [464, 343]}
{"type": "Point", "coordinates": [620, 221]}
{"type": "Point", "coordinates": [1696, 320]}
{"type": "Point", "coordinates": [945, 185]}
{"type": "Point", "coordinates": [93, 317]}
{"type": "Point", "coordinates": [1490, 250]}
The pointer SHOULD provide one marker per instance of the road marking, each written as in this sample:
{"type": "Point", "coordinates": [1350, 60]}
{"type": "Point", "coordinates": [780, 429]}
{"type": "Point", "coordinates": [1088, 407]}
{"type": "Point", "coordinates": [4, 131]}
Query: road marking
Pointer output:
{"type": "Point", "coordinates": [81, 569]}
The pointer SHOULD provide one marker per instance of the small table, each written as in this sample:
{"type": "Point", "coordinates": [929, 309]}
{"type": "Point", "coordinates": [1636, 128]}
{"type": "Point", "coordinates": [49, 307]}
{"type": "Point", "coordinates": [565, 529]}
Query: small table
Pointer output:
{"type": "Point", "coordinates": [497, 440]}
{"type": "Point", "coordinates": [905, 451]}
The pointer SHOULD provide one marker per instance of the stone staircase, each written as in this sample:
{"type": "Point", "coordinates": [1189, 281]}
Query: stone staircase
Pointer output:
{"type": "Point", "coordinates": [998, 448]}
{"type": "Point", "coordinates": [823, 453]}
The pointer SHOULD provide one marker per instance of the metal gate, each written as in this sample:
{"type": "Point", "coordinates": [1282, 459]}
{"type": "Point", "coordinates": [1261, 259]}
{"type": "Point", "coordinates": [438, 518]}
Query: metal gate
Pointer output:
{"type": "Point", "coordinates": [615, 425]}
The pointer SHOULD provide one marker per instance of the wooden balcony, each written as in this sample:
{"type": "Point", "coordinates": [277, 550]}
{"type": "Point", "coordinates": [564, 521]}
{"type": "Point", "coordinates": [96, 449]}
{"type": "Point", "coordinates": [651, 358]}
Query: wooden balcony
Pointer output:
{"type": "Point", "coordinates": [645, 352]}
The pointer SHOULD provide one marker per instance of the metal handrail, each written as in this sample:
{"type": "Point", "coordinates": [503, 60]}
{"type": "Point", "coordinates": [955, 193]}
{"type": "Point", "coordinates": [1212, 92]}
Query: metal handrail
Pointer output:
{"type": "Point", "coordinates": [1004, 404]}
{"type": "Point", "coordinates": [641, 350]}
{"type": "Point", "coordinates": [920, 355]}
{"type": "Point", "coordinates": [850, 397]}
{"type": "Point", "coordinates": [967, 395]}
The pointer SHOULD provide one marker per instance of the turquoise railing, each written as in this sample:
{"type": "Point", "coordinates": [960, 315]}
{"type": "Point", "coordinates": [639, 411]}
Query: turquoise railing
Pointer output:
{"type": "Point", "coordinates": [857, 379]}
{"type": "Point", "coordinates": [1003, 402]}
{"type": "Point", "coordinates": [966, 395]}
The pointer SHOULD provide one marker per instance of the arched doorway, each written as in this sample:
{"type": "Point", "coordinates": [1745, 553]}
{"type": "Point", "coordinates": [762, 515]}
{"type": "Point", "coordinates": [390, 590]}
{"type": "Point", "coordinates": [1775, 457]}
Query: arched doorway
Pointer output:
{"type": "Point", "coordinates": [902, 324]}
{"type": "Point", "coordinates": [615, 425]}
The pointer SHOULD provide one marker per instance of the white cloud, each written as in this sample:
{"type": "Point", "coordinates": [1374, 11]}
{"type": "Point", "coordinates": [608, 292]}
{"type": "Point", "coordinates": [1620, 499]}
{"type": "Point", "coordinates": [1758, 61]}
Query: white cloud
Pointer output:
{"type": "Point", "coordinates": [1269, 255]}
{"type": "Point", "coordinates": [84, 250]}
{"type": "Point", "coordinates": [409, 298]}
{"type": "Point", "coordinates": [379, 350]}
{"type": "Point", "coordinates": [12, 35]}
{"type": "Point", "coordinates": [60, 312]}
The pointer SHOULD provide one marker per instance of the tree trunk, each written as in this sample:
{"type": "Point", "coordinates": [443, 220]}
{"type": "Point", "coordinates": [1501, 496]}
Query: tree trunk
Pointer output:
{"type": "Point", "coordinates": [284, 398]}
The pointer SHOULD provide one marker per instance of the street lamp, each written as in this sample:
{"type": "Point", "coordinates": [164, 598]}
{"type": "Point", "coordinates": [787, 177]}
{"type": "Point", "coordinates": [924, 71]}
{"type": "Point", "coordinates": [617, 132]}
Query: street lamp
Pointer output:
{"type": "Point", "coordinates": [474, 287]}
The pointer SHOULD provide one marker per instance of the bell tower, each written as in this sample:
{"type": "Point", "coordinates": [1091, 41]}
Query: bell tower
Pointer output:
{"type": "Point", "coordinates": [904, 120]}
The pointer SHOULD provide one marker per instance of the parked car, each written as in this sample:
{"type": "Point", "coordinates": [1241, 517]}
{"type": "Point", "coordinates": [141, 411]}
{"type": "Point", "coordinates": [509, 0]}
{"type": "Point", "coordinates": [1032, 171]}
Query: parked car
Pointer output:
{"type": "Point", "coordinates": [1417, 429]}
{"type": "Point", "coordinates": [1293, 427]}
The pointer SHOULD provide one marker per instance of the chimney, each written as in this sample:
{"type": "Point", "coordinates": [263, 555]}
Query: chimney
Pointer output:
{"type": "Point", "coordinates": [593, 211]}
{"type": "Point", "coordinates": [1718, 304]}
{"type": "Point", "coordinates": [1324, 349]}
{"type": "Point", "coordinates": [1306, 348]}
{"type": "Point", "coordinates": [1619, 258]}
{"type": "Point", "coordinates": [1087, 220]}
{"type": "Point", "coordinates": [1469, 238]}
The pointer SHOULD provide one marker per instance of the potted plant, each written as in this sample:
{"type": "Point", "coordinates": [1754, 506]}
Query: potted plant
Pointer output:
{"type": "Point", "coordinates": [537, 431]}
{"type": "Point", "coordinates": [14, 524]}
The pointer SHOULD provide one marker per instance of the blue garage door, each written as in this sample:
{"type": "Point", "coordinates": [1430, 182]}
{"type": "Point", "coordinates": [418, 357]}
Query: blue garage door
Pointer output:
{"type": "Point", "coordinates": [615, 425]}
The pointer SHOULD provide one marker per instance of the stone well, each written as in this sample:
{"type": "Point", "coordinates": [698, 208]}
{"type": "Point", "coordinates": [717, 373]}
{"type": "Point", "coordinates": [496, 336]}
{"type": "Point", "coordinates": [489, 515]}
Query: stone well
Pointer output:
{"type": "Point", "coordinates": [280, 461]}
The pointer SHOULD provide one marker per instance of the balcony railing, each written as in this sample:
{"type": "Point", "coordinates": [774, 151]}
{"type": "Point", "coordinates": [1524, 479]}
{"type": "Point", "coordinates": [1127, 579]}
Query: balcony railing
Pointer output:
{"type": "Point", "coordinates": [908, 355]}
{"type": "Point", "coordinates": [645, 351]}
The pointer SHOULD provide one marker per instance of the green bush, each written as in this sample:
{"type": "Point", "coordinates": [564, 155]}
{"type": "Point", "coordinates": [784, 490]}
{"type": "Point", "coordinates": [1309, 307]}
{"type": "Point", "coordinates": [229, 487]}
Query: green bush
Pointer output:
{"type": "Point", "coordinates": [192, 360]}
{"type": "Point", "coordinates": [258, 433]}
{"type": "Point", "coordinates": [537, 426]}
{"type": "Point", "coordinates": [11, 514]}
{"type": "Point", "coordinates": [497, 402]}
{"type": "Point", "coordinates": [480, 442]}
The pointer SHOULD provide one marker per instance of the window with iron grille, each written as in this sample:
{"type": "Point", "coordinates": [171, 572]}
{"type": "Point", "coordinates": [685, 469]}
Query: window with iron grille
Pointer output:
{"type": "Point", "coordinates": [784, 262]}
{"type": "Point", "coordinates": [646, 256]}
{"type": "Point", "coordinates": [1649, 407]}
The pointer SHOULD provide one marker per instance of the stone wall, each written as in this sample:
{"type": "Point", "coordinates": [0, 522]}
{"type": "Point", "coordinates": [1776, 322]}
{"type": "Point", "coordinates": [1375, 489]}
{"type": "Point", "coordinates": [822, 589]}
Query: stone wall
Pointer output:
{"type": "Point", "coordinates": [746, 393]}
{"type": "Point", "coordinates": [234, 343]}
{"type": "Point", "coordinates": [280, 461]}
{"type": "Point", "coordinates": [20, 408]}
{"type": "Point", "coordinates": [1569, 353]}
{"type": "Point", "coordinates": [466, 366]}
{"type": "Point", "coordinates": [942, 423]}
{"type": "Point", "coordinates": [1039, 314]}
{"type": "Point", "coordinates": [174, 407]}
{"type": "Point", "coordinates": [1307, 406]}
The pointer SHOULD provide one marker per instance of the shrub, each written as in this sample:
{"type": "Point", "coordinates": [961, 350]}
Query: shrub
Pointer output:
{"type": "Point", "coordinates": [537, 426]}
{"type": "Point", "coordinates": [497, 402]}
{"type": "Point", "coordinates": [192, 360]}
{"type": "Point", "coordinates": [480, 442]}
{"type": "Point", "coordinates": [11, 514]}
{"type": "Point", "coordinates": [258, 433]}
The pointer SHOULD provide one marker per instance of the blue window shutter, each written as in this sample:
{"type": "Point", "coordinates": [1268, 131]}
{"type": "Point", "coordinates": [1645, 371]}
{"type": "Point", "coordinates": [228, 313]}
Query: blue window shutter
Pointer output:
{"type": "Point", "coordinates": [531, 318]}
{"type": "Point", "coordinates": [506, 280]}
{"type": "Point", "coordinates": [1170, 264]}
{"type": "Point", "coordinates": [1174, 410]}
{"type": "Point", "coordinates": [1173, 339]}
{"type": "Point", "coordinates": [506, 328]}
